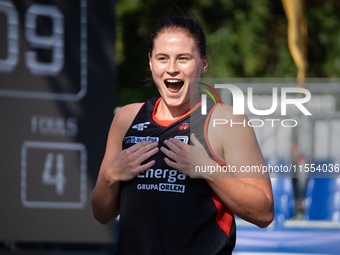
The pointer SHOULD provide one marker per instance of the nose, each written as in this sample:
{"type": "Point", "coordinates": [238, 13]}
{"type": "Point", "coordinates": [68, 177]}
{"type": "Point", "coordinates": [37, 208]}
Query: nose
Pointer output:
{"type": "Point", "coordinates": [173, 68]}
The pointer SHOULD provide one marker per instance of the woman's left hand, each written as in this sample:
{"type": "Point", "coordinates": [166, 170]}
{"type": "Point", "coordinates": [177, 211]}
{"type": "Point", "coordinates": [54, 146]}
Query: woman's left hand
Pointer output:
{"type": "Point", "coordinates": [184, 156]}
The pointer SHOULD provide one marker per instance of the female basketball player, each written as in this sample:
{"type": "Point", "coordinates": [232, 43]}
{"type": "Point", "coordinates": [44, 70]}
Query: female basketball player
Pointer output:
{"type": "Point", "coordinates": [145, 173]}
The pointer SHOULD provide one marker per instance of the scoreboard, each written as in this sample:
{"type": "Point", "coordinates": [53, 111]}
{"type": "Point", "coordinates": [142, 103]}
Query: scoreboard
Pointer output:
{"type": "Point", "coordinates": [57, 95]}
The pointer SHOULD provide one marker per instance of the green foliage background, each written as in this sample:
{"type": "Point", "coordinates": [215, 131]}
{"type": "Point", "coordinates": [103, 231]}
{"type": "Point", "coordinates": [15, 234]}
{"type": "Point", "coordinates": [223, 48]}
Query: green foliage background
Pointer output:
{"type": "Point", "coordinates": [246, 38]}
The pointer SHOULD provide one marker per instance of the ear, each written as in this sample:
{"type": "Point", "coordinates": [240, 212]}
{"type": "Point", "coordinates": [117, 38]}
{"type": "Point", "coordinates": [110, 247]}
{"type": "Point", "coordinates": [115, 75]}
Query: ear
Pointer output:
{"type": "Point", "coordinates": [205, 64]}
{"type": "Point", "coordinates": [150, 64]}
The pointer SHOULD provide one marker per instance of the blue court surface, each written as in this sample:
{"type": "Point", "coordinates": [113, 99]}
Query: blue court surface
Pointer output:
{"type": "Point", "coordinates": [290, 237]}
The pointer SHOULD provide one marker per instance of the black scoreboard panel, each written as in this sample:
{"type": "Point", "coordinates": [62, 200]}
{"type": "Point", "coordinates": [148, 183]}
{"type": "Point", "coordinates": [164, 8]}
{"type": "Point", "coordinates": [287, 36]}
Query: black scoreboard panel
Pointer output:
{"type": "Point", "coordinates": [57, 95]}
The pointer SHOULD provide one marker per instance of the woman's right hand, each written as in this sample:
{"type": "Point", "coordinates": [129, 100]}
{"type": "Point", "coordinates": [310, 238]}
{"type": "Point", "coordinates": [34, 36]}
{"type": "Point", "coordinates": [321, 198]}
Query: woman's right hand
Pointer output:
{"type": "Point", "coordinates": [119, 165]}
{"type": "Point", "coordinates": [128, 162]}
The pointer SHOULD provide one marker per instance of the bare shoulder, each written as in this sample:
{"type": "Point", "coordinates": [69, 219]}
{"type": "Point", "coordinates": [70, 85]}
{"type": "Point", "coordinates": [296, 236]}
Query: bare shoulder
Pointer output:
{"type": "Point", "coordinates": [227, 130]}
{"type": "Point", "coordinates": [223, 119]}
{"type": "Point", "coordinates": [126, 114]}
{"type": "Point", "coordinates": [129, 110]}
{"type": "Point", "coordinates": [224, 111]}
{"type": "Point", "coordinates": [122, 121]}
{"type": "Point", "coordinates": [119, 126]}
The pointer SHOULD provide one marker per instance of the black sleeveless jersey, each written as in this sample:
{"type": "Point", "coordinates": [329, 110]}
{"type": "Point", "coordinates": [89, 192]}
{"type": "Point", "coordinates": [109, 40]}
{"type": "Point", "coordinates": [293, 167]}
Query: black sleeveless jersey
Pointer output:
{"type": "Point", "coordinates": [163, 211]}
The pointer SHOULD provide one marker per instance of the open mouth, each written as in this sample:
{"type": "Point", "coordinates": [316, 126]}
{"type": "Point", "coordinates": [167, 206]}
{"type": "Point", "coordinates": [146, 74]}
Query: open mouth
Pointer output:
{"type": "Point", "coordinates": [174, 85]}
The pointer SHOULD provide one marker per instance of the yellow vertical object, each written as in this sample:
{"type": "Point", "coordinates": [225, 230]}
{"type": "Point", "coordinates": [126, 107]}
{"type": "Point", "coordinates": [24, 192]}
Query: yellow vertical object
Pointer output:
{"type": "Point", "coordinates": [297, 35]}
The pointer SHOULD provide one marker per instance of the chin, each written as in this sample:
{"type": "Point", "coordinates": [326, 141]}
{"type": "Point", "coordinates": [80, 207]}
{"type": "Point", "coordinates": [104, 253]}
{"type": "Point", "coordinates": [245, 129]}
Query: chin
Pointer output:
{"type": "Point", "coordinates": [175, 102]}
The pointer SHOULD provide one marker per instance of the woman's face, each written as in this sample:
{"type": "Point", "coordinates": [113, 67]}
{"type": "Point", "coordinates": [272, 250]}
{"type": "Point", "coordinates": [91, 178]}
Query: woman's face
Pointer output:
{"type": "Point", "coordinates": [175, 59]}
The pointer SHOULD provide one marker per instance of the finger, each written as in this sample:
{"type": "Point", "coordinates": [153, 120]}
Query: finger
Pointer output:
{"type": "Point", "coordinates": [178, 142]}
{"type": "Point", "coordinates": [195, 141]}
{"type": "Point", "coordinates": [145, 166]}
{"type": "Point", "coordinates": [139, 145]}
{"type": "Point", "coordinates": [172, 145]}
{"type": "Point", "coordinates": [145, 148]}
{"type": "Point", "coordinates": [171, 163]}
{"type": "Point", "coordinates": [169, 153]}
{"type": "Point", "coordinates": [141, 158]}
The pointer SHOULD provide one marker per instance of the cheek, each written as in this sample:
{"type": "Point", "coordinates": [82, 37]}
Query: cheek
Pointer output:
{"type": "Point", "coordinates": [157, 70]}
{"type": "Point", "coordinates": [194, 71]}
{"type": "Point", "coordinates": [157, 75]}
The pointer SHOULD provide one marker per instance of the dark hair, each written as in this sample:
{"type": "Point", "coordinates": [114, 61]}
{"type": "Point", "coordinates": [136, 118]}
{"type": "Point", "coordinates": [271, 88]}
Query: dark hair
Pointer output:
{"type": "Point", "coordinates": [186, 23]}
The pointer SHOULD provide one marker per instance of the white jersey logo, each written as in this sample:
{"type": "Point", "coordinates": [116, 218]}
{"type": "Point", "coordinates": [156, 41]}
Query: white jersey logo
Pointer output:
{"type": "Point", "coordinates": [183, 138]}
{"type": "Point", "coordinates": [141, 126]}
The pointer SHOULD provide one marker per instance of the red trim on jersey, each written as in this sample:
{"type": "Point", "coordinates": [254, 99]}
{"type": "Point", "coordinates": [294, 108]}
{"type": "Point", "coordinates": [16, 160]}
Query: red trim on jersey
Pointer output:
{"type": "Point", "coordinates": [224, 217]}
{"type": "Point", "coordinates": [166, 123]}
{"type": "Point", "coordinates": [205, 131]}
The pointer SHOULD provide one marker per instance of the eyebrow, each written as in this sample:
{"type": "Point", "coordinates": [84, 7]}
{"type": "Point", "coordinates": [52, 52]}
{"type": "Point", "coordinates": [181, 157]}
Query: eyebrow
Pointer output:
{"type": "Point", "coordinates": [181, 54]}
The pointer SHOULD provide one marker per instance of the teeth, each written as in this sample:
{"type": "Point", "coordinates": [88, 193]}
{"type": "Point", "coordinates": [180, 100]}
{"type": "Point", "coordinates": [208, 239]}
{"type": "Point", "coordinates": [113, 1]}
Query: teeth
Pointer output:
{"type": "Point", "coordinates": [173, 81]}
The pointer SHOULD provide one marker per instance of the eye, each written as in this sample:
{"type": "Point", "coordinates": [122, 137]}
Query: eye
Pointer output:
{"type": "Point", "coordinates": [183, 58]}
{"type": "Point", "coordinates": [162, 58]}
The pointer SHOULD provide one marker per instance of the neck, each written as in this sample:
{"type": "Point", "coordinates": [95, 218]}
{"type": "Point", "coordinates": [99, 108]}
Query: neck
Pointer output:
{"type": "Point", "coordinates": [168, 112]}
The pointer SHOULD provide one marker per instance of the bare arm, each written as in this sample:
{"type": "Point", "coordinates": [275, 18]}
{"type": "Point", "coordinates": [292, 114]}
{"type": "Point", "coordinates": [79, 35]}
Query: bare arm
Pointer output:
{"type": "Point", "coordinates": [118, 165]}
{"type": "Point", "coordinates": [248, 196]}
